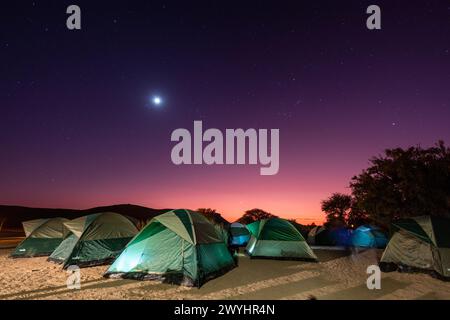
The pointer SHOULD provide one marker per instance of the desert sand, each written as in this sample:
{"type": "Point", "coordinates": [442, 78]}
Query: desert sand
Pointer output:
{"type": "Point", "coordinates": [339, 275]}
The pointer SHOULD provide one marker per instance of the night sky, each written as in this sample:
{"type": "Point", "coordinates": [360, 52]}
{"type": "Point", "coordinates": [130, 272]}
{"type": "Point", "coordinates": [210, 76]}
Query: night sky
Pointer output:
{"type": "Point", "coordinates": [78, 129]}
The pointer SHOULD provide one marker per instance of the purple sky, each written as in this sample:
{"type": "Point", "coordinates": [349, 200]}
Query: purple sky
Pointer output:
{"type": "Point", "coordinates": [77, 128]}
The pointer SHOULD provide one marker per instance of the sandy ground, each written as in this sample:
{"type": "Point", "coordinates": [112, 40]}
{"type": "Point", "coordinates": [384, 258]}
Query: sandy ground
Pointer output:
{"type": "Point", "coordinates": [337, 276]}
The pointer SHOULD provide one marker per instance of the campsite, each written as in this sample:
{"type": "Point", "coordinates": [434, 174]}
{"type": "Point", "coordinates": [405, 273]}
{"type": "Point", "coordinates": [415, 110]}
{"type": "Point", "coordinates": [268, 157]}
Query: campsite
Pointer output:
{"type": "Point", "coordinates": [181, 254]}
{"type": "Point", "coordinates": [335, 277]}
{"type": "Point", "coordinates": [220, 150]}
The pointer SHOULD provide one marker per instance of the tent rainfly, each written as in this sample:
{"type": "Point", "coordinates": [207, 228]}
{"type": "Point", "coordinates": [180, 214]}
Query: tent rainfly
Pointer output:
{"type": "Point", "coordinates": [419, 243]}
{"type": "Point", "coordinates": [277, 238]}
{"type": "Point", "coordinates": [180, 246]}
{"type": "Point", "coordinates": [320, 236]}
{"type": "Point", "coordinates": [368, 236]}
{"type": "Point", "coordinates": [341, 236]}
{"type": "Point", "coordinates": [42, 237]}
{"type": "Point", "coordinates": [94, 239]}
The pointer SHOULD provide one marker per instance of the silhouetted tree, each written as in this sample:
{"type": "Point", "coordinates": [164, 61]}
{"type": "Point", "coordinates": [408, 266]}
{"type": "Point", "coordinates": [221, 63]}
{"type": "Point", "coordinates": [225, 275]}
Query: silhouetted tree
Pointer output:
{"type": "Point", "coordinates": [337, 209]}
{"type": "Point", "coordinates": [213, 216]}
{"type": "Point", "coordinates": [356, 217]}
{"type": "Point", "coordinates": [340, 211]}
{"type": "Point", "coordinates": [404, 183]}
{"type": "Point", "coordinates": [255, 215]}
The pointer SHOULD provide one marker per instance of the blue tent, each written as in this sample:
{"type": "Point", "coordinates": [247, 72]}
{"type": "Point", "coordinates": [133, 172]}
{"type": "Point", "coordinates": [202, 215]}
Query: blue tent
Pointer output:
{"type": "Point", "coordinates": [239, 234]}
{"type": "Point", "coordinates": [368, 236]}
{"type": "Point", "coordinates": [341, 236]}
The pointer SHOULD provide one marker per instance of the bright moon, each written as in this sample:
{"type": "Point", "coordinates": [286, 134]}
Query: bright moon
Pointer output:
{"type": "Point", "coordinates": [156, 100]}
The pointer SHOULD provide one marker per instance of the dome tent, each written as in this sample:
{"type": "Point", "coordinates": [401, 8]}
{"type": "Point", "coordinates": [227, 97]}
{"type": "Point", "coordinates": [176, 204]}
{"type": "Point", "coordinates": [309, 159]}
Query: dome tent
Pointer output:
{"type": "Point", "coordinates": [94, 239]}
{"type": "Point", "coordinates": [277, 238]}
{"type": "Point", "coordinates": [323, 236]}
{"type": "Point", "coordinates": [421, 243]}
{"type": "Point", "coordinates": [368, 236]}
{"type": "Point", "coordinates": [239, 234]}
{"type": "Point", "coordinates": [320, 236]}
{"type": "Point", "coordinates": [180, 246]}
{"type": "Point", "coordinates": [42, 237]}
{"type": "Point", "coordinates": [342, 236]}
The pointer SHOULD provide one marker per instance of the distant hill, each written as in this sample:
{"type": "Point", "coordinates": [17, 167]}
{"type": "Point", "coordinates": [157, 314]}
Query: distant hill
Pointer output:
{"type": "Point", "coordinates": [12, 216]}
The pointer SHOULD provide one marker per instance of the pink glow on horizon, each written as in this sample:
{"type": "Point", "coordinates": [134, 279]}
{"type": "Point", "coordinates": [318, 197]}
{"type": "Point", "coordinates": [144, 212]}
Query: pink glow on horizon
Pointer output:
{"type": "Point", "coordinates": [296, 192]}
{"type": "Point", "coordinates": [281, 195]}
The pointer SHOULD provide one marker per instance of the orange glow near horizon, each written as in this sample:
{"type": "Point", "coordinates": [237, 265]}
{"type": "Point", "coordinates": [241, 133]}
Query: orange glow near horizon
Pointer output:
{"type": "Point", "coordinates": [282, 198]}
{"type": "Point", "coordinates": [295, 192]}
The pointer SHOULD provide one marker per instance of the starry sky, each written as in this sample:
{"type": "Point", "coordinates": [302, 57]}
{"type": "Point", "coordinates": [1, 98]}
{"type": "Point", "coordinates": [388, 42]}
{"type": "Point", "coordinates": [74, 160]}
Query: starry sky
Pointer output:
{"type": "Point", "coordinates": [78, 129]}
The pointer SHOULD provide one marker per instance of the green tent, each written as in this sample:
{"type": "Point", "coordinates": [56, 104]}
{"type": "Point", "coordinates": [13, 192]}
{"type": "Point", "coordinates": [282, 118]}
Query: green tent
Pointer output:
{"type": "Point", "coordinates": [419, 243]}
{"type": "Point", "coordinates": [94, 239]}
{"type": "Point", "coordinates": [42, 237]}
{"type": "Point", "coordinates": [180, 246]}
{"type": "Point", "coordinates": [277, 238]}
